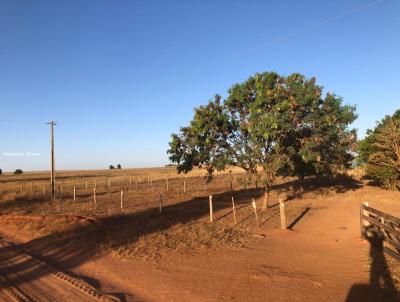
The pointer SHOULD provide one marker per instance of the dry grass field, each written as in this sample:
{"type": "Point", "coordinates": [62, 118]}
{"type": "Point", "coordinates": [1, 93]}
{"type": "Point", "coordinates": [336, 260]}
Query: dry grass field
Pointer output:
{"type": "Point", "coordinates": [128, 246]}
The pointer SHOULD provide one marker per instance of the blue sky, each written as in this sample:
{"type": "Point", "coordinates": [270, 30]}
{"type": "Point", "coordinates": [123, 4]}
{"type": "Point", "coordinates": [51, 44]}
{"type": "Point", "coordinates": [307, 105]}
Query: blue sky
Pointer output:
{"type": "Point", "coordinates": [120, 76]}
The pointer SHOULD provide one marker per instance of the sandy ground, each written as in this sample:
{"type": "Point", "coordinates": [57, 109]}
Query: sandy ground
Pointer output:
{"type": "Point", "coordinates": [321, 258]}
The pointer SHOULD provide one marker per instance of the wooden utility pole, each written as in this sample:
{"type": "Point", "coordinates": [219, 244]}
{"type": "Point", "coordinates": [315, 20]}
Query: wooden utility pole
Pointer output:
{"type": "Point", "coordinates": [52, 175]}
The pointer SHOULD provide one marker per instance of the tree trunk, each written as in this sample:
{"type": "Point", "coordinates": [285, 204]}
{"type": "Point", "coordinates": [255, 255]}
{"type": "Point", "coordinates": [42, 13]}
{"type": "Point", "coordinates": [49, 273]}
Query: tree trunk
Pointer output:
{"type": "Point", "coordinates": [266, 199]}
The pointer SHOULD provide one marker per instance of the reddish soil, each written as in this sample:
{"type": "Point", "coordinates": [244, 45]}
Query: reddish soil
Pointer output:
{"type": "Point", "coordinates": [320, 258]}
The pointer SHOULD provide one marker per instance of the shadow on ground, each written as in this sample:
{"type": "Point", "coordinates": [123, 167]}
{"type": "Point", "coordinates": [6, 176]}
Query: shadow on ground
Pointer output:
{"type": "Point", "coordinates": [381, 286]}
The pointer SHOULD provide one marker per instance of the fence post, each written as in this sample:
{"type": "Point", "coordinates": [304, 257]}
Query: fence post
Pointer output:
{"type": "Point", "coordinates": [255, 211]}
{"type": "Point", "coordinates": [362, 225]}
{"type": "Point", "coordinates": [86, 182]}
{"type": "Point", "coordinates": [265, 203]}
{"type": "Point", "coordinates": [94, 197]}
{"type": "Point", "coordinates": [74, 193]}
{"type": "Point", "coordinates": [234, 211]}
{"type": "Point", "coordinates": [44, 191]}
{"type": "Point", "coordinates": [211, 207]}
{"type": "Point", "coordinates": [167, 184]}
{"type": "Point", "coordinates": [160, 204]}
{"type": "Point", "coordinates": [282, 213]}
{"type": "Point", "coordinates": [122, 199]}
{"type": "Point", "coordinates": [184, 186]}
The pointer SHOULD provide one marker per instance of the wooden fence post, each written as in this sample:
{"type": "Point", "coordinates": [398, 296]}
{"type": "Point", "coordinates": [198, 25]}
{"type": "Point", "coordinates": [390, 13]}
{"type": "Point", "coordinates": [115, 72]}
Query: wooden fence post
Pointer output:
{"type": "Point", "coordinates": [363, 223]}
{"type": "Point", "coordinates": [255, 211]}
{"type": "Point", "coordinates": [86, 183]}
{"type": "Point", "coordinates": [265, 203]}
{"type": "Point", "coordinates": [282, 213]}
{"type": "Point", "coordinates": [211, 208]}
{"type": "Point", "coordinates": [234, 211]}
{"type": "Point", "coordinates": [74, 193]}
{"type": "Point", "coordinates": [130, 181]}
{"type": "Point", "coordinates": [160, 204]}
{"type": "Point", "coordinates": [44, 191]}
{"type": "Point", "coordinates": [184, 186]}
{"type": "Point", "coordinates": [94, 197]}
{"type": "Point", "coordinates": [167, 185]}
{"type": "Point", "coordinates": [122, 199]}
{"type": "Point", "coordinates": [109, 183]}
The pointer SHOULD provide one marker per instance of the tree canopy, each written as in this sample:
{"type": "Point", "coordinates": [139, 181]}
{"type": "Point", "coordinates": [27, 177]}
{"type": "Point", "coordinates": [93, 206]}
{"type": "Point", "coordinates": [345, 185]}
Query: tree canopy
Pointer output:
{"type": "Point", "coordinates": [269, 125]}
{"type": "Point", "coordinates": [379, 152]}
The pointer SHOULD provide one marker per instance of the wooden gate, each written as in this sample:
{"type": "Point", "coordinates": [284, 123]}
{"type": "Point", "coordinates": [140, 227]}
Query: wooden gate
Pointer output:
{"type": "Point", "coordinates": [375, 223]}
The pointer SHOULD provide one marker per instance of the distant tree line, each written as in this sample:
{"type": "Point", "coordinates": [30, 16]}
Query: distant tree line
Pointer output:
{"type": "Point", "coordinates": [17, 171]}
{"type": "Point", "coordinates": [269, 125]}
{"type": "Point", "coordinates": [118, 167]}
{"type": "Point", "coordinates": [379, 152]}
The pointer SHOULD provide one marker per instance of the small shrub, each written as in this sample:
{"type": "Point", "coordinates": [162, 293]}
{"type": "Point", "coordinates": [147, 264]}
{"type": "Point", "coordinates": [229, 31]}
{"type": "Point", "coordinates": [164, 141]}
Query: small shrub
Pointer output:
{"type": "Point", "coordinates": [18, 171]}
{"type": "Point", "coordinates": [119, 166]}
{"type": "Point", "coordinates": [112, 167]}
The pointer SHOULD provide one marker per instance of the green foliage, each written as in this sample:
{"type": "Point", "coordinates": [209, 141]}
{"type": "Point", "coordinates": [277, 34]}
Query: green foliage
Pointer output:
{"type": "Point", "coordinates": [379, 152]}
{"type": "Point", "coordinates": [269, 125]}
{"type": "Point", "coordinates": [203, 143]}
{"type": "Point", "coordinates": [18, 171]}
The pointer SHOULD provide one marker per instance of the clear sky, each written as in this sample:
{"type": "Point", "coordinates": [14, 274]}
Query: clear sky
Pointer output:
{"type": "Point", "coordinates": [120, 76]}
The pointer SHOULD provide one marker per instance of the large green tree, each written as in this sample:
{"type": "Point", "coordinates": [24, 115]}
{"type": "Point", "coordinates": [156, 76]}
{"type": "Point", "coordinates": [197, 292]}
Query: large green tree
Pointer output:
{"type": "Point", "coordinates": [269, 125]}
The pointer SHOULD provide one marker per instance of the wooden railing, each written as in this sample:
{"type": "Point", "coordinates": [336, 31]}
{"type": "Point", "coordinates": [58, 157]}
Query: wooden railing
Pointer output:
{"type": "Point", "coordinates": [380, 228]}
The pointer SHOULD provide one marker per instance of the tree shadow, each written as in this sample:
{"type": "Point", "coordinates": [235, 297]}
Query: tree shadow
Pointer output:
{"type": "Point", "coordinates": [342, 183]}
{"type": "Point", "coordinates": [381, 286]}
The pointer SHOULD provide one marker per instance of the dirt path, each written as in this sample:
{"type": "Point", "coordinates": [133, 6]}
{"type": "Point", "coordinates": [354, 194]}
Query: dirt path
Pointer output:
{"type": "Point", "coordinates": [24, 278]}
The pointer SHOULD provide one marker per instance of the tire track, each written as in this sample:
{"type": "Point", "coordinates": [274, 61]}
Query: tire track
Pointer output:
{"type": "Point", "coordinates": [27, 279]}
